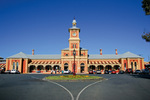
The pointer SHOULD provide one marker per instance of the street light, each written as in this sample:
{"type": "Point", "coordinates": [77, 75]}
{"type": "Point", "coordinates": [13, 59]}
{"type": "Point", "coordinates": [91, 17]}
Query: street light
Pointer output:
{"type": "Point", "coordinates": [74, 54]}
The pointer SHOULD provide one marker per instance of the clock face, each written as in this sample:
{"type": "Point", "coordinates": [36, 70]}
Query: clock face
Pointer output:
{"type": "Point", "coordinates": [74, 34]}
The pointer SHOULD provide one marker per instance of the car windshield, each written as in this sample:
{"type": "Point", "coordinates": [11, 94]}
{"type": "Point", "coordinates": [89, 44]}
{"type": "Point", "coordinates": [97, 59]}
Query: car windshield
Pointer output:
{"type": "Point", "coordinates": [137, 70]}
{"type": "Point", "coordinates": [130, 69]}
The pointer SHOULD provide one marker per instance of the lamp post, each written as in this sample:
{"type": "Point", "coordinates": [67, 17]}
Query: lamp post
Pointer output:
{"type": "Point", "coordinates": [74, 54]}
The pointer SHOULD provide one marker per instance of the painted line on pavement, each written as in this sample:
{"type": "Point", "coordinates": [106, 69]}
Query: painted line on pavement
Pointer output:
{"type": "Point", "coordinates": [86, 88]}
{"type": "Point", "coordinates": [72, 98]}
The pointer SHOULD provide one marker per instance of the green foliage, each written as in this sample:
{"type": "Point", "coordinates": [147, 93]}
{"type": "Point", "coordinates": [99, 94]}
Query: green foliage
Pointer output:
{"type": "Point", "coordinates": [146, 6]}
{"type": "Point", "coordinates": [71, 77]}
{"type": "Point", "coordinates": [146, 37]}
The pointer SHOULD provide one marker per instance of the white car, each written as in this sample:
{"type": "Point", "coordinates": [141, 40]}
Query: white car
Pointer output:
{"type": "Point", "coordinates": [13, 71]}
{"type": "Point", "coordinates": [66, 71]}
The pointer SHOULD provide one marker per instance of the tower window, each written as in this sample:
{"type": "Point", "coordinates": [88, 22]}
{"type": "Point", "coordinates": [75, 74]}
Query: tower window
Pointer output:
{"type": "Point", "coordinates": [74, 45]}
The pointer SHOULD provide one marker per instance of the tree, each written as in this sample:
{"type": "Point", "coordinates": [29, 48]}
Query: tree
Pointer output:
{"type": "Point", "coordinates": [146, 6]}
{"type": "Point", "coordinates": [146, 37]}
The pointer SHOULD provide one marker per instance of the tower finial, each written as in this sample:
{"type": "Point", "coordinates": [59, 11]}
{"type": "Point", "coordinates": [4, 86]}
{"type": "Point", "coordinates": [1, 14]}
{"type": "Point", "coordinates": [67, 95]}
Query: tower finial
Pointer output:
{"type": "Point", "coordinates": [74, 22]}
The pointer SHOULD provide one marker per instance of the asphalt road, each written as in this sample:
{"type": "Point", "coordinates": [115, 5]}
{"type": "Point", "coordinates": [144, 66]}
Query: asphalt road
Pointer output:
{"type": "Point", "coordinates": [32, 87]}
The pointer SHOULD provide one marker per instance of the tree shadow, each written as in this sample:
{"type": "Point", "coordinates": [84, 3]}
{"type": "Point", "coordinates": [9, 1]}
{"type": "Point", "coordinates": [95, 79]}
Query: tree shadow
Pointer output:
{"type": "Point", "coordinates": [146, 76]}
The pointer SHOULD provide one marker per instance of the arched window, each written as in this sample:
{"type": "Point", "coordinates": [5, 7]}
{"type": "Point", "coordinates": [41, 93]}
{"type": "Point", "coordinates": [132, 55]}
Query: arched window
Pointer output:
{"type": "Point", "coordinates": [82, 64]}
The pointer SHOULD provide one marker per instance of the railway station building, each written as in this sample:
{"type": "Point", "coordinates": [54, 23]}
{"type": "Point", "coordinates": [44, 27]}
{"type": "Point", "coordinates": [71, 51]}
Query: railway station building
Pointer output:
{"type": "Point", "coordinates": [32, 63]}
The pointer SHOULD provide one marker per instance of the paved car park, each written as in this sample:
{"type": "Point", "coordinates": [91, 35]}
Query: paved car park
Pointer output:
{"type": "Point", "coordinates": [32, 87]}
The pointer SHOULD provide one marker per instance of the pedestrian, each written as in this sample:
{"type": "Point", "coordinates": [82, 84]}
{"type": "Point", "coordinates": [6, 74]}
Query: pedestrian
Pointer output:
{"type": "Point", "coordinates": [55, 71]}
{"type": "Point", "coordinates": [52, 72]}
{"type": "Point", "coordinates": [62, 71]}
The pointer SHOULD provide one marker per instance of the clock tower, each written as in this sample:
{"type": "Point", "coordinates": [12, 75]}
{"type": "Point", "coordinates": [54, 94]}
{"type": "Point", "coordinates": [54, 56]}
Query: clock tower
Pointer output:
{"type": "Point", "coordinates": [74, 40]}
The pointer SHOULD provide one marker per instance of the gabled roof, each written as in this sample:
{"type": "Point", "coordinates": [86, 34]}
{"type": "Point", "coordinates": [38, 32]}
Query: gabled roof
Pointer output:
{"type": "Point", "coordinates": [113, 56]}
{"type": "Point", "coordinates": [23, 55]}
{"type": "Point", "coordinates": [44, 56]}
{"type": "Point", "coordinates": [1, 57]}
{"type": "Point", "coordinates": [19, 55]}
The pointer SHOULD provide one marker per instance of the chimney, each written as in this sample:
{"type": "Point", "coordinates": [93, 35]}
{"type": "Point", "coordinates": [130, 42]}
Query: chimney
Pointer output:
{"type": "Point", "coordinates": [100, 51]}
{"type": "Point", "coordinates": [116, 52]}
{"type": "Point", "coordinates": [32, 51]}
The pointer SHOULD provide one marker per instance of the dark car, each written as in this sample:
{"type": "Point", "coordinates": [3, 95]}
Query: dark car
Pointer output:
{"type": "Point", "coordinates": [137, 72]}
{"type": "Point", "coordinates": [98, 72]}
{"type": "Point", "coordinates": [91, 72]}
{"type": "Point", "coordinates": [106, 71]}
{"type": "Point", "coordinates": [129, 70]}
{"type": "Point", "coordinates": [121, 72]}
{"type": "Point", "coordinates": [113, 72]}
{"type": "Point", "coordinates": [1, 71]}
{"type": "Point", "coordinates": [145, 71]}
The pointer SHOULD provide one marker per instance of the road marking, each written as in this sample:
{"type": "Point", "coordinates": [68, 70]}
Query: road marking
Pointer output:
{"type": "Point", "coordinates": [72, 98]}
{"type": "Point", "coordinates": [86, 88]}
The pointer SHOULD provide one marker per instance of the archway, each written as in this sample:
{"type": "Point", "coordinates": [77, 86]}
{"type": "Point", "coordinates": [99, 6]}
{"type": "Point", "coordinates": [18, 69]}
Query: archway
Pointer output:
{"type": "Point", "coordinates": [100, 67]}
{"type": "Point", "coordinates": [40, 67]}
{"type": "Point", "coordinates": [116, 67]}
{"type": "Point", "coordinates": [48, 67]}
{"type": "Point", "coordinates": [91, 67]}
{"type": "Point", "coordinates": [32, 67]}
{"type": "Point", "coordinates": [66, 66]}
{"type": "Point", "coordinates": [82, 66]}
{"type": "Point", "coordinates": [108, 67]}
{"type": "Point", "coordinates": [57, 67]}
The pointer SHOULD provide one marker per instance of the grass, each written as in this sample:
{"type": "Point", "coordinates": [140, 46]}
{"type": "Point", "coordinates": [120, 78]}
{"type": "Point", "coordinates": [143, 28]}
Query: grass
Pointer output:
{"type": "Point", "coordinates": [71, 77]}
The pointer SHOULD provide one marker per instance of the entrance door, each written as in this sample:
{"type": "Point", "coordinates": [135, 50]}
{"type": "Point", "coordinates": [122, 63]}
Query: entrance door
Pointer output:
{"type": "Point", "coordinates": [82, 69]}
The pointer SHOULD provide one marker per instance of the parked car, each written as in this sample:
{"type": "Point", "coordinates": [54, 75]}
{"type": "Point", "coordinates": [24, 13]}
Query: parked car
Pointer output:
{"type": "Point", "coordinates": [129, 70]}
{"type": "Point", "coordinates": [98, 72]}
{"type": "Point", "coordinates": [137, 72]}
{"type": "Point", "coordinates": [1, 71]}
{"type": "Point", "coordinates": [113, 72]}
{"type": "Point", "coordinates": [7, 72]}
{"type": "Point", "coordinates": [91, 72]}
{"type": "Point", "coordinates": [67, 71]}
{"type": "Point", "coordinates": [14, 71]}
{"type": "Point", "coordinates": [106, 71]}
{"type": "Point", "coordinates": [121, 72]}
{"type": "Point", "coordinates": [145, 71]}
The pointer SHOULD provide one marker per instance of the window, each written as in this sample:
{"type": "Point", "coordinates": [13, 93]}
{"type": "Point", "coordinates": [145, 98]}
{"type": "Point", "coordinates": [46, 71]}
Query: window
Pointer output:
{"type": "Point", "coordinates": [13, 65]}
{"type": "Point", "coordinates": [17, 66]}
{"type": "Point", "coordinates": [74, 45]}
{"type": "Point", "coordinates": [125, 66]}
{"type": "Point", "coordinates": [135, 65]}
{"type": "Point", "coordinates": [66, 54]}
{"type": "Point", "coordinates": [132, 65]}
{"type": "Point", "coordinates": [81, 54]}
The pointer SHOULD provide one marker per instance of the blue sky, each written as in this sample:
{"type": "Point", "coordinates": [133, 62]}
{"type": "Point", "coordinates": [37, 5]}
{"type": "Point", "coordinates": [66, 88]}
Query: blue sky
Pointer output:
{"type": "Point", "coordinates": [43, 25]}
